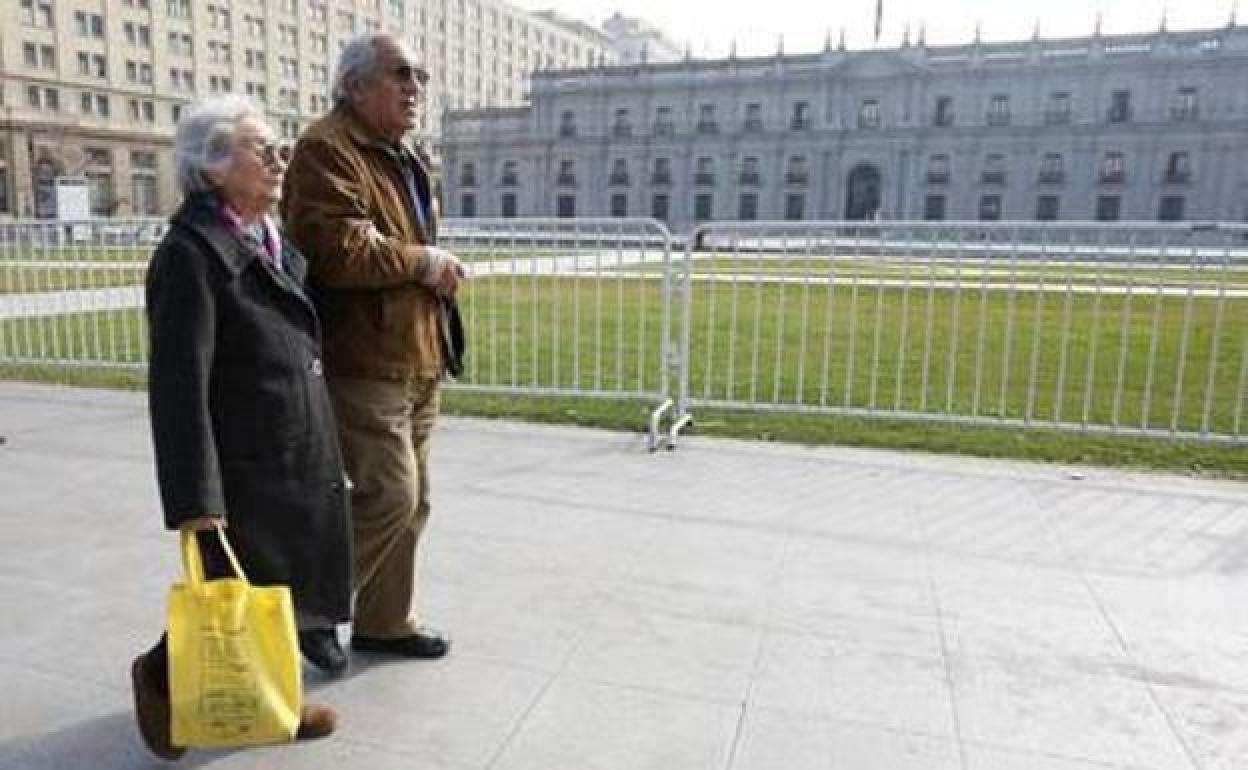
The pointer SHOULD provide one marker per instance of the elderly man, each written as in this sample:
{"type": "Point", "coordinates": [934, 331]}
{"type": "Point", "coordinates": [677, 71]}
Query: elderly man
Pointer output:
{"type": "Point", "coordinates": [358, 202]}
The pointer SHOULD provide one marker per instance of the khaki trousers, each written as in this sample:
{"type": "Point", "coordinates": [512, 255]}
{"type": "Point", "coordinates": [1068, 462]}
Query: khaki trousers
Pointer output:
{"type": "Point", "coordinates": [385, 428]}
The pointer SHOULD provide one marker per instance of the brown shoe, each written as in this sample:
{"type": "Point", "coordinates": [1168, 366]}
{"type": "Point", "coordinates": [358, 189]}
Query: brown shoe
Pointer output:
{"type": "Point", "coordinates": [151, 710]}
{"type": "Point", "coordinates": [316, 720]}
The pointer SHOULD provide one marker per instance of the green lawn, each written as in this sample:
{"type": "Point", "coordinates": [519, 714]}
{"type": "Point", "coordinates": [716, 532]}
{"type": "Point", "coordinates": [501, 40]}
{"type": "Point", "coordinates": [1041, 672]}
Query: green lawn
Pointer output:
{"type": "Point", "coordinates": [1047, 356]}
{"type": "Point", "coordinates": [25, 280]}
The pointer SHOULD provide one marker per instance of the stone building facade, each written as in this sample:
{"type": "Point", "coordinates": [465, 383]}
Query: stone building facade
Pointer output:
{"type": "Point", "coordinates": [94, 88]}
{"type": "Point", "coordinates": [1140, 127]}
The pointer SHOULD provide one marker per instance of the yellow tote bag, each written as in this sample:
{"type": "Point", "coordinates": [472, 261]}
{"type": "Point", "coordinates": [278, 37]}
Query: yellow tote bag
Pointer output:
{"type": "Point", "coordinates": [234, 676]}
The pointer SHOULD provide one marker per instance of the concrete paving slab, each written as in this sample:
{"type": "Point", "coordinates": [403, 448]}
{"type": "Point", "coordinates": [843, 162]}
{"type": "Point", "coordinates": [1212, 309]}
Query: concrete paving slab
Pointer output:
{"type": "Point", "coordinates": [730, 605]}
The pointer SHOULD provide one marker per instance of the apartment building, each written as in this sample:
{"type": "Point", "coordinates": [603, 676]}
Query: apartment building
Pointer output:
{"type": "Point", "coordinates": [94, 88]}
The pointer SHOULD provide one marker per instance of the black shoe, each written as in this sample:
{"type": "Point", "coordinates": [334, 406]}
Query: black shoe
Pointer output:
{"type": "Point", "coordinates": [322, 650]}
{"type": "Point", "coordinates": [422, 644]}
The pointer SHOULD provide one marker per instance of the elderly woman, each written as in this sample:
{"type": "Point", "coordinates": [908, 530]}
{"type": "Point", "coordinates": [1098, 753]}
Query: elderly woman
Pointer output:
{"type": "Point", "coordinates": [242, 425]}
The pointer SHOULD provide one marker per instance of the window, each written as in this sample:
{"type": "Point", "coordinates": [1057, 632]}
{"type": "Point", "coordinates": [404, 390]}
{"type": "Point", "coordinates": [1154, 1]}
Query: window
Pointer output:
{"type": "Point", "coordinates": [567, 124]}
{"type": "Point", "coordinates": [999, 110]}
{"type": "Point", "coordinates": [801, 116]}
{"type": "Point", "coordinates": [468, 205]}
{"type": "Point", "coordinates": [938, 169]}
{"type": "Point", "coordinates": [1048, 208]}
{"type": "Point", "coordinates": [510, 176]}
{"type": "Point", "coordinates": [567, 173]}
{"type": "Point", "coordinates": [706, 120]}
{"type": "Point", "coordinates": [619, 172]}
{"type": "Point", "coordinates": [1057, 112]}
{"type": "Point", "coordinates": [663, 125]}
{"type": "Point", "coordinates": [622, 125]}
{"type": "Point", "coordinates": [1051, 169]}
{"type": "Point", "coordinates": [565, 206]}
{"type": "Point", "coordinates": [703, 207]}
{"type": "Point", "coordinates": [1120, 107]}
{"type": "Point", "coordinates": [508, 205]}
{"type": "Point", "coordinates": [934, 208]}
{"type": "Point", "coordinates": [747, 207]}
{"type": "Point", "coordinates": [705, 173]}
{"type": "Point", "coordinates": [468, 174]}
{"type": "Point", "coordinates": [749, 171]}
{"type": "Point", "coordinates": [994, 169]}
{"type": "Point", "coordinates": [753, 118]}
{"type": "Point", "coordinates": [1108, 208]}
{"type": "Point", "coordinates": [797, 172]}
{"type": "Point", "coordinates": [1113, 168]}
{"type": "Point", "coordinates": [37, 13]}
{"type": "Point", "coordinates": [143, 186]}
{"type": "Point", "coordinates": [178, 9]}
{"type": "Point", "coordinates": [659, 207]}
{"type": "Point", "coordinates": [1185, 106]}
{"type": "Point", "coordinates": [989, 208]}
{"type": "Point", "coordinates": [943, 114]}
{"type": "Point", "coordinates": [1171, 208]}
{"type": "Point", "coordinates": [619, 205]}
{"type": "Point", "coordinates": [1178, 168]}
{"type": "Point", "coordinates": [4, 188]}
{"type": "Point", "coordinates": [662, 171]}
{"type": "Point", "coordinates": [794, 207]}
{"type": "Point", "coordinates": [869, 114]}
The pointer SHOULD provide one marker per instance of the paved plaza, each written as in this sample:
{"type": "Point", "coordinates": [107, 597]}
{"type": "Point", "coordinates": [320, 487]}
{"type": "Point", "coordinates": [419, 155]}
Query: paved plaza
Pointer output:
{"type": "Point", "coordinates": [726, 606]}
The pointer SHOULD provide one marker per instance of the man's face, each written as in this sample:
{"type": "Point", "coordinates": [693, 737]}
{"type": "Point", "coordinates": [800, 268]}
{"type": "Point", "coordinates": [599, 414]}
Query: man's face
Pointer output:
{"type": "Point", "coordinates": [391, 101]}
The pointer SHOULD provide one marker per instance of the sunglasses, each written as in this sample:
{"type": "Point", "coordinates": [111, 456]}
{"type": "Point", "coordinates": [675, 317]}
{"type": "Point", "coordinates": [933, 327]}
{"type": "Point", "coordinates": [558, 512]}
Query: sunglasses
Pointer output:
{"type": "Point", "coordinates": [407, 73]}
{"type": "Point", "coordinates": [269, 151]}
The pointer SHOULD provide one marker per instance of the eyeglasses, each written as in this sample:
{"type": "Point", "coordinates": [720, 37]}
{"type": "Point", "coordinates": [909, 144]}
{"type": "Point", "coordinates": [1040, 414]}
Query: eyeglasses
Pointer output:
{"type": "Point", "coordinates": [269, 151]}
{"type": "Point", "coordinates": [407, 73]}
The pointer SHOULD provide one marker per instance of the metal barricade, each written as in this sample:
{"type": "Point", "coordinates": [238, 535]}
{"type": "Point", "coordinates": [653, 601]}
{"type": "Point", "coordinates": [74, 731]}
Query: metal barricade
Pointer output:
{"type": "Point", "coordinates": [1134, 329]}
{"type": "Point", "coordinates": [71, 293]}
{"type": "Point", "coordinates": [567, 307]}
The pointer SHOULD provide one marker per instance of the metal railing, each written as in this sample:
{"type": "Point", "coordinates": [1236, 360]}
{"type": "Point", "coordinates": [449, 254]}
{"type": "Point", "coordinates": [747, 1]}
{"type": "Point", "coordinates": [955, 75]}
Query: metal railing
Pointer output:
{"type": "Point", "coordinates": [1133, 329]}
{"type": "Point", "coordinates": [568, 307]}
{"type": "Point", "coordinates": [1130, 329]}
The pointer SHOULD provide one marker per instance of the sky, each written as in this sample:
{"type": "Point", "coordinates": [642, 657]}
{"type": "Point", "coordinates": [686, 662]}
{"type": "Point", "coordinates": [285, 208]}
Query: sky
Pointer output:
{"type": "Point", "coordinates": [757, 26]}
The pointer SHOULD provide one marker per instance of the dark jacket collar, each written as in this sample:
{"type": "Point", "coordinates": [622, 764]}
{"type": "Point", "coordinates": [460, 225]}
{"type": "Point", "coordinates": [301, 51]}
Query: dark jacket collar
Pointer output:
{"type": "Point", "coordinates": [200, 213]}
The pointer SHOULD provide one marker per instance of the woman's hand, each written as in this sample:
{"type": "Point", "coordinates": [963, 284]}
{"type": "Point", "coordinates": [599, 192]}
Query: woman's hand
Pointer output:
{"type": "Point", "coordinates": [203, 523]}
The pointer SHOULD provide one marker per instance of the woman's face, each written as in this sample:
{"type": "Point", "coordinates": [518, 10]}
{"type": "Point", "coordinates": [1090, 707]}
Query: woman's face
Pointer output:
{"type": "Point", "coordinates": [253, 182]}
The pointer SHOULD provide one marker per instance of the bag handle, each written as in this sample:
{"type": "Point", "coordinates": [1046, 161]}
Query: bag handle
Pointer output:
{"type": "Point", "coordinates": [193, 563]}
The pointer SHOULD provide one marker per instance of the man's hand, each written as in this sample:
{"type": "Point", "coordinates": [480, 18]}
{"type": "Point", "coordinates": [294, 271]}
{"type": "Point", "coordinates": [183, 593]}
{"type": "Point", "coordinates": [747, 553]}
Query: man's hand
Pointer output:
{"type": "Point", "coordinates": [445, 271]}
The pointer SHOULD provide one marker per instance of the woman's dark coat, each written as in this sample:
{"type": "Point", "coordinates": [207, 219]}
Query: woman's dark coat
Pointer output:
{"type": "Point", "coordinates": [241, 418]}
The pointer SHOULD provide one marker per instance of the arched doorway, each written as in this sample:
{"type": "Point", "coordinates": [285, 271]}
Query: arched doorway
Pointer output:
{"type": "Point", "coordinates": [863, 200]}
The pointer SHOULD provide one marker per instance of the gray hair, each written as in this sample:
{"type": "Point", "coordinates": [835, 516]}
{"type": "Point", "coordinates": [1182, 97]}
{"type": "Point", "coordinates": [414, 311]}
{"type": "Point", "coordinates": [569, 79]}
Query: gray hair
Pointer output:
{"type": "Point", "coordinates": [358, 64]}
{"type": "Point", "coordinates": [205, 140]}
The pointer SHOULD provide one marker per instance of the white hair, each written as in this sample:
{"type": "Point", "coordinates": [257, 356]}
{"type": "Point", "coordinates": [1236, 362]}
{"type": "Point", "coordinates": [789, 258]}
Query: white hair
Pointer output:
{"type": "Point", "coordinates": [359, 63]}
{"type": "Point", "coordinates": [205, 140]}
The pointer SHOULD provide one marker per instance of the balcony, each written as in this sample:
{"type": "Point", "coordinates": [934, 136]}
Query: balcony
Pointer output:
{"type": "Point", "coordinates": [1184, 114]}
{"type": "Point", "coordinates": [509, 180]}
{"type": "Point", "coordinates": [708, 127]}
{"type": "Point", "coordinates": [751, 178]}
{"type": "Point", "coordinates": [1177, 177]}
{"type": "Point", "coordinates": [661, 177]}
{"type": "Point", "coordinates": [1057, 118]}
{"type": "Point", "coordinates": [622, 130]}
{"type": "Point", "coordinates": [618, 180]}
{"type": "Point", "coordinates": [938, 177]}
{"type": "Point", "coordinates": [998, 119]}
{"type": "Point", "coordinates": [704, 179]}
{"type": "Point", "coordinates": [566, 180]}
{"type": "Point", "coordinates": [753, 126]}
{"type": "Point", "coordinates": [799, 124]}
{"type": "Point", "coordinates": [468, 180]}
{"type": "Point", "coordinates": [1119, 115]}
{"type": "Point", "coordinates": [664, 128]}
{"type": "Point", "coordinates": [992, 177]}
{"type": "Point", "coordinates": [796, 177]}
{"type": "Point", "coordinates": [942, 120]}
{"type": "Point", "coordinates": [1052, 177]}
{"type": "Point", "coordinates": [1113, 177]}
{"type": "Point", "coordinates": [567, 131]}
